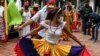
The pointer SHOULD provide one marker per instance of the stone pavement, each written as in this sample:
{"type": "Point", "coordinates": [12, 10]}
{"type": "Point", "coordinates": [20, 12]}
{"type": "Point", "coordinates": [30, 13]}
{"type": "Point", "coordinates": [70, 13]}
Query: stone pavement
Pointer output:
{"type": "Point", "coordinates": [6, 49]}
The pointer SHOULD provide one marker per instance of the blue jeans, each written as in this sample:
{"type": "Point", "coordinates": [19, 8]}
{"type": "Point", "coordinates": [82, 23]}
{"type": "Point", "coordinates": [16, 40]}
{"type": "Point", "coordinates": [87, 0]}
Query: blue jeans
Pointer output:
{"type": "Point", "coordinates": [95, 32]}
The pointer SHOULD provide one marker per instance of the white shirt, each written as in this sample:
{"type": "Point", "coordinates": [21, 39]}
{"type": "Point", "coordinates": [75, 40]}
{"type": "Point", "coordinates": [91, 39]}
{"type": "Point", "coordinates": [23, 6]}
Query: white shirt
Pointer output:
{"type": "Point", "coordinates": [1, 11]}
{"type": "Point", "coordinates": [26, 15]}
{"type": "Point", "coordinates": [40, 16]}
{"type": "Point", "coordinates": [53, 34]}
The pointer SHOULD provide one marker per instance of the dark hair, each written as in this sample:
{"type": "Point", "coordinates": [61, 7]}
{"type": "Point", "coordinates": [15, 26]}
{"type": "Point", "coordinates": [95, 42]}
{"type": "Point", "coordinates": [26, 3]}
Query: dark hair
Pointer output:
{"type": "Point", "coordinates": [52, 13]}
{"type": "Point", "coordinates": [35, 8]}
{"type": "Point", "coordinates": [26, 7]}
{"type": "Point", "coordinates": [1, 3]}
{"type": "Point", "coordinates": [87, 1]}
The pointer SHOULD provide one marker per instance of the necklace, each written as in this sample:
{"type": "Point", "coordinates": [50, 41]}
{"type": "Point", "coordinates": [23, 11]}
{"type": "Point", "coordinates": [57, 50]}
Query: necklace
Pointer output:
{"type": "Point", "coordinates": [54, 30]}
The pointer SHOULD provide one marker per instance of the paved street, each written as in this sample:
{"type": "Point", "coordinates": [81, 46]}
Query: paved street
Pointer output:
{"type": "Point", "coordinates": [6, 49]}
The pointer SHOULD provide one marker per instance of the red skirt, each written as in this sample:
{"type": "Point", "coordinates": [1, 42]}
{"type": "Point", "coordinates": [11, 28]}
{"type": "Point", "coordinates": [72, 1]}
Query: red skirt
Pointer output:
{"type": "Point", "coordinates": [3, 37]}
{"type": "Point", "coordinates": [76, 24]}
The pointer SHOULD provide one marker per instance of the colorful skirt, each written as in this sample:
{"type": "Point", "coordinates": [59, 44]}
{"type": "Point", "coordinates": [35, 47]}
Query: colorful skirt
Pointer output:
{"type": "Point", "coordinates": [37, 47]}
{"type": "Point", "coordinates": [2, 30]}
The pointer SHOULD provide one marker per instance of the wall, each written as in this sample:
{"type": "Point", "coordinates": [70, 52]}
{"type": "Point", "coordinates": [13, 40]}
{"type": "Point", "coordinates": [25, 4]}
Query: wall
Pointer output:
{"type": "Point", "coordinates": [92, 3]}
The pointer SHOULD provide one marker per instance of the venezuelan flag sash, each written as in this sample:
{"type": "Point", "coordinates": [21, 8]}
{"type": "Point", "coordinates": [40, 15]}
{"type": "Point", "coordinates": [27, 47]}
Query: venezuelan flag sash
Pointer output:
{"type": "Point", "coordinates": [26, 47]}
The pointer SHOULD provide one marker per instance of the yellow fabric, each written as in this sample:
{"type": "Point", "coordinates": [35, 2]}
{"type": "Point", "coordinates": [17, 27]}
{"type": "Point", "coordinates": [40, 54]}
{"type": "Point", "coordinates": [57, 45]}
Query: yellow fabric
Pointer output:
{"type": "Point", "coordinates": [55, 49]}
{"type": "Point", "coordinates": [68, 16]}
{"type": "Point", "coordinates": [5, 16]}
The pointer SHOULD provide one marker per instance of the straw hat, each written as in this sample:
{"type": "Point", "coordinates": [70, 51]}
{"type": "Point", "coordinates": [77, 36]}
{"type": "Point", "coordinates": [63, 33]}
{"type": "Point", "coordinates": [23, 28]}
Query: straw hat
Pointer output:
{"type": "Point", "coordinates": [51, 3]}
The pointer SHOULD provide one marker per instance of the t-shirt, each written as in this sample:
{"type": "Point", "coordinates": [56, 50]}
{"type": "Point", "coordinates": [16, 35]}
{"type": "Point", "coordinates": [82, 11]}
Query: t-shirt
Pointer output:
{"type": "Point", "coordinates": [40, 16]}
{"type": "Point", "coordinates": [26, 15]}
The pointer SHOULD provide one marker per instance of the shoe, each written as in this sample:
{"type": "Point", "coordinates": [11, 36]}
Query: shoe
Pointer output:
{"type": "Point", "coordinates": [84, 33]}
{"type": "Point", "coordinates": [95, 40]}
{"type": "Point", "coordinates": [91, 39]}
{"type": "Point", "coordinates": [89, 34]}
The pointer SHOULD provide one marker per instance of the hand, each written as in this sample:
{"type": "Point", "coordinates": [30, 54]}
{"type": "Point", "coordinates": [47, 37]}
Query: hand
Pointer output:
{"type": "Point", "coordinates": [82, 45]}
{"type": "Point", "coordinates": [17, 28]}
{"type": "Point", "coordinates": [23, 36]}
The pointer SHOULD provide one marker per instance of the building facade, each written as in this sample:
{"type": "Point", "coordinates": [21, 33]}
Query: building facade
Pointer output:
{"type": "Point", "coordinates": [95, 4]}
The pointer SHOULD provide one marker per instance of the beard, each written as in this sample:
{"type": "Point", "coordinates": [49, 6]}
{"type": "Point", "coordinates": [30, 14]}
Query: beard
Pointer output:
{"type": "Point", "coordinates": [35, 8]}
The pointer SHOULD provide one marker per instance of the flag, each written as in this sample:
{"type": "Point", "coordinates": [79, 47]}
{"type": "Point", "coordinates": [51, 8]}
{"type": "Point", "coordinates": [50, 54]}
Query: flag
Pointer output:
{"type": "Point", "coordinates": [25, 47]}
{"type": "Point", "coordinates": [14, 16]}
{"type": "Point", "coordinates": [18, 4]}
{"type": "Point", "coordinates": [18, 50]}
{"type": "Point", "coordinates": [85, 52]}
{"type": "Point", "coordinates": [5, 17]}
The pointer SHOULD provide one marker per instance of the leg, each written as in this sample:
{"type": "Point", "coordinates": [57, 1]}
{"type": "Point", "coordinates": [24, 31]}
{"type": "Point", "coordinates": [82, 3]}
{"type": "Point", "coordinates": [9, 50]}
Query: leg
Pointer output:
{"type": "Point", "coordinates": [83, 27]}
{"type": "Point", "coordinates": [84, 30]}
{"type": "Point", "coordinates": [93, 33]}
{"type": "Point", "coordinates": [89, 31]}
{"type": "Point", "coordinates": [97, 28]}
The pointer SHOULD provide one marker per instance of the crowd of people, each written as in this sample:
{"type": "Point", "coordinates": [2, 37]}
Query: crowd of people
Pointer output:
{"type": "Point", "coordinates": [70, 15]}
{"type": "Point", "coordinates": [52, 23]}
{"type": "Point", "coordinates": [77, 18]}
{"type": "Point", "coordinates": [51, 26]}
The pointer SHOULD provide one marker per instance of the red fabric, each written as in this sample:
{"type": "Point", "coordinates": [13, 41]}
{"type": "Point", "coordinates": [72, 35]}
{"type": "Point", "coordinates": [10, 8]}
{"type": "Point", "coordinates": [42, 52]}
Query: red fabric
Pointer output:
{"type": "Point", "coordinates": [85, 52]}
{"type": "Point", "coordinates": [51, 2]}
{"type": "Point", "coordinates": [75, 24]}
{"type": "Point", "coordinates": [76, 21]}
{"type": "Point", "coordinates": [33, 12]}
{"type": "Point", "coordinates": [18, 51]}
{"type": "Point", "coordinates": [33, 26]}
{"type": "Point", "coordinates": [46, 53]}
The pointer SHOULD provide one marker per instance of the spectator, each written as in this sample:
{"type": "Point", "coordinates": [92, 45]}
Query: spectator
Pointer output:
{"type": "Point", "coordinates": [38, 17]}
{"type": "Point", "coordinates": [26, 14]}
{"type": "Point", "coordinates": [96, 25]}
{"type": "Point", "coordinates": [34, 24]}
{"type": "Point", "coordinates": [3, 37]}
{"type": "Point", "coordinates": [84, 13]}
